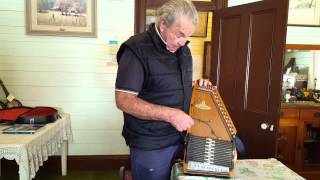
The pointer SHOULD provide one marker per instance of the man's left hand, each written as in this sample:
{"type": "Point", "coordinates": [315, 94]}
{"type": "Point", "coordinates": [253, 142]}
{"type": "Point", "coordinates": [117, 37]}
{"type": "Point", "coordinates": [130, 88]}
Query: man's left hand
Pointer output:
{"type": "Point", "coordinates": [205, 82]}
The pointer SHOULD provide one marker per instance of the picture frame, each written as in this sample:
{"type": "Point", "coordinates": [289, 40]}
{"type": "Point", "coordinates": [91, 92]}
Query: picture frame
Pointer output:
{"type": "Point", "coordinates": [61, 17]}
{"type": "Point", "coordinates": [201, 29]}
{"type": "Point", "coordinates": [150, 17]}
{"type": "Point", "coordinates": [206, 60]}
{"type": "Point", "coordinates": [304, 13]}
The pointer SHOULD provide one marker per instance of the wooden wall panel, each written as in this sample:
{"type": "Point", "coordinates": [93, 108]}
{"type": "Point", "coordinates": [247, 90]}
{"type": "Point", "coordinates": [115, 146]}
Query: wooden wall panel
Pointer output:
{"type": "Point", "coordinates": [12, 5]}
{"type": "Point", "coordinates": [74, 74]}
{"type": "Point", "coordinates": [11, 18]}
{"type": "Point", "coordinates": [71, 73]}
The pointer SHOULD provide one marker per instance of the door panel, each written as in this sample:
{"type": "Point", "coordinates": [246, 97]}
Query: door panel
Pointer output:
{"type": "Point", "coordinates": [248, 48]}
{"type": "Point", "coordinates": [259, 61]}
{"type": "Point", "coordinates": [229, 51]}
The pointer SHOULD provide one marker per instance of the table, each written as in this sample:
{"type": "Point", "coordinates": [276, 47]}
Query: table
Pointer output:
{"type": "Point", "coordinates": [31, 150]}
{"type": "Point", "coordinates": [248, 169]}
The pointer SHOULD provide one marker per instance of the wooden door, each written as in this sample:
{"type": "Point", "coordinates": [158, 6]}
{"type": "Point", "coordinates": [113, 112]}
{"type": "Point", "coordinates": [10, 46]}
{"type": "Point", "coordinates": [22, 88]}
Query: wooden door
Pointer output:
{"type": "Point", "coordinates": [248, 50]}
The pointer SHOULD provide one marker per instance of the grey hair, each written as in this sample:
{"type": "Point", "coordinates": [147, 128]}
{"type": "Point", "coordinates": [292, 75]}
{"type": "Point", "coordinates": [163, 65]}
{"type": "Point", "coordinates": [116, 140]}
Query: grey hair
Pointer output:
{"type": "Point", "coordinates": [175, 9]}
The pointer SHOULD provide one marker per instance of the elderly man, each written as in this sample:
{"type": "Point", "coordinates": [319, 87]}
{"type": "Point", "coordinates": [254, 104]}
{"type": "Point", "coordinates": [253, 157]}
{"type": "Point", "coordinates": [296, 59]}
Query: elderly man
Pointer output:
{"type": "Point", "coordinates": [153, 89]}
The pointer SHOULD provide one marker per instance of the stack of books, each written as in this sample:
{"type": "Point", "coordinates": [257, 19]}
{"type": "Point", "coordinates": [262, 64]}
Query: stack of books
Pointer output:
{"type": "Point", "coordinates": [22, 129]}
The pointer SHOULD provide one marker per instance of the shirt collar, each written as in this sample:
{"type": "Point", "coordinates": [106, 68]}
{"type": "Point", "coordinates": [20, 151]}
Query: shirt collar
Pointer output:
{"type": "Point", "coordinates": [158, 33]}
{"type": "Point", "coordinates": [157, 39]}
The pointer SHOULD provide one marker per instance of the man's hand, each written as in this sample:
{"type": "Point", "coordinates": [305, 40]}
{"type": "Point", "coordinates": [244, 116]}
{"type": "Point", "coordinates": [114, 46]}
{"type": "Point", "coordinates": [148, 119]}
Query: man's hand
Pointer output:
{"type": "Point", "coordinates": [205, 82]}
{"type": "Point", "coordinates": [139, 108]}
{"type": "Point", "coordinates": [180, 120]}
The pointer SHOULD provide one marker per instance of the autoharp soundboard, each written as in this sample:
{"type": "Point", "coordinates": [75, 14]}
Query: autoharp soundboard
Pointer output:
{"type": "Point", "coordinates": [210, 149]}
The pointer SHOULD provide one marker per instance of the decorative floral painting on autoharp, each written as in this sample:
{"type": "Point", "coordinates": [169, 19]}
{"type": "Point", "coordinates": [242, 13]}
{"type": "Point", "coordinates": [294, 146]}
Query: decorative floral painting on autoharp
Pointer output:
{"type": "Point", "coordinates": [210, 149]}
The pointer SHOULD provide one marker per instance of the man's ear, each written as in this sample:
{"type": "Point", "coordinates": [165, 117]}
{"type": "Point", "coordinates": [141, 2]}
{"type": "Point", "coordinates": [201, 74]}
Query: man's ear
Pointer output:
{"type": "Point", "coordinates": [162, 25]}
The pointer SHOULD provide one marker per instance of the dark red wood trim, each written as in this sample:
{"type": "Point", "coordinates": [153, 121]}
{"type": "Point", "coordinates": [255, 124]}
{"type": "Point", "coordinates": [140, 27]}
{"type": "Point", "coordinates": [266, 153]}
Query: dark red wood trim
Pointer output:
{"type": "Point", "coordinates": [205, 6]}
{"type": "Point", "coordinates": [310, 175]}
{"type": "Point", "coordinates": [200, 5]}
{"type": "Point", "coordinates": [303, 46]}
{"type": "Point", "coordinates": [142, 5]}
{"type": "Point", "coordinates": [75, 163]}
{"type": "Point", "coordinates": [220, 4]}
{"type": "Point", "coordinates": [206, 57]}
{"type": "Point", "coordinates": [154, 4]}
{"type": "Point", "coordinates": [139, 16]}
{"type": "Point", "coordinates": [96, 163]}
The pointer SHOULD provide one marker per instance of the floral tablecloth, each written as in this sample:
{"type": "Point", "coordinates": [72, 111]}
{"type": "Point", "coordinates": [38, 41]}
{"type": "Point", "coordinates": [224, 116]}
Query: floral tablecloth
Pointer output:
{"type": "Point", "coordinates": [248, 169]}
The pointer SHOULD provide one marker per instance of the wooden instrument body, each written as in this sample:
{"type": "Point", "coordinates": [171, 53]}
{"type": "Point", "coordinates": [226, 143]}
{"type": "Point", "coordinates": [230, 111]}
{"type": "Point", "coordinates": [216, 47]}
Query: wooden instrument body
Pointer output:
{"type": "Point", "coordinates": [213, 126]}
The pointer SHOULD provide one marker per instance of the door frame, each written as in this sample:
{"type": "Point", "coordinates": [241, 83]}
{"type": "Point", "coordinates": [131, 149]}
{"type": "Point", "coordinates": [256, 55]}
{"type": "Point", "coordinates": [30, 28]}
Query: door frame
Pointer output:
{"type": "Point", "coordinates": [142, 5]}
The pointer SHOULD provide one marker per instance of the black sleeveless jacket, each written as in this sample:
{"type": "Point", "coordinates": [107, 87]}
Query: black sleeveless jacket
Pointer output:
{"type": "Point", "coordinates": [167, 82]}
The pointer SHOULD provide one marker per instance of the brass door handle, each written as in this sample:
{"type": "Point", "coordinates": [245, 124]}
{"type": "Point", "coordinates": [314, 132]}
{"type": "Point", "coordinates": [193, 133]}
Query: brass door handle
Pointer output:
{"type": "Point", "coordinates": [264, 126]}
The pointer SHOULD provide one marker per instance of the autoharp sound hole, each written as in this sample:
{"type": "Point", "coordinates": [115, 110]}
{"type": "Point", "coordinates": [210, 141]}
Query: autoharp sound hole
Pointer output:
{"type": "Point", "coordinates": [207, 123]}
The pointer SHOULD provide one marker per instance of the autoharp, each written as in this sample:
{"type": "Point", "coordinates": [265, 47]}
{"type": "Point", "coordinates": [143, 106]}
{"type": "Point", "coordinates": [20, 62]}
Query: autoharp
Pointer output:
{"type": "Point", "coordinates": [210, 148]}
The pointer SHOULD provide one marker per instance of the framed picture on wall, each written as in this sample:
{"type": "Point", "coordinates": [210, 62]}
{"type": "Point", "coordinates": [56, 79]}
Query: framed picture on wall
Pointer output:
{"type": "Point", "coordinates": [150, 17]}
{"type": "Point", "coordinates": [206, 60]}
{"type": "Point", "coordinates": [61, 17]}
{"type": "Point", "coordinates": [304, 13]}
{"type": "Point", "coordinates": [201, 29]}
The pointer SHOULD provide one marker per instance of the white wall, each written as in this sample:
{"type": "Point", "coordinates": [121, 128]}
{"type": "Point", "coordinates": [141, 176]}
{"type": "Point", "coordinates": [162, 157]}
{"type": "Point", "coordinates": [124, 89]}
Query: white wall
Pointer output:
{"type": "Point", "coordinates": [76, 74]}
{"type": "Point", "coordinates": [303, 35]}
{"type": "Point", "coordinates": [239, 2]}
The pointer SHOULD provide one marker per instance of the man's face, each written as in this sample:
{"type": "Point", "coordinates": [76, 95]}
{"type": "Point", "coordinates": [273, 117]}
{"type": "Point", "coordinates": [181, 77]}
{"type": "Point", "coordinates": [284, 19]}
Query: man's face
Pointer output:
{"type": "Point", "coordinates": [177, 34]}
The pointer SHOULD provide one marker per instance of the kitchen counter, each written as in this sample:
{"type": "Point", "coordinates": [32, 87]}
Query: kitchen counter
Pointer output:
{"type": "Point", "coordinates": [302, 104]}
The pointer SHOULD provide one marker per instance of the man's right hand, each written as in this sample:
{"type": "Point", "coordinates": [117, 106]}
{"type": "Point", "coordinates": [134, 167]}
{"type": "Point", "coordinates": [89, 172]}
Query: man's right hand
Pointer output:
{"type": "Point", "coordinates": [180, 120]}
{"type": "Point", "coordinates": [137, 107]}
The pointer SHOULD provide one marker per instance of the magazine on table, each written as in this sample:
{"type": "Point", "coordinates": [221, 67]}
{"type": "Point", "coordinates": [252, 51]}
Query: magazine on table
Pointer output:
{"type": "Point", "coordinates": [22, 129]}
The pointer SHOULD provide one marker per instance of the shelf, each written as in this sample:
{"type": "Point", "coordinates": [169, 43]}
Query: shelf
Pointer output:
{"type": "Point", "coordinates": [306, 136]}
{"type": "Point", "coordinates": [311, 141]}
{"type": "Point", "coordinates": [311, 164]}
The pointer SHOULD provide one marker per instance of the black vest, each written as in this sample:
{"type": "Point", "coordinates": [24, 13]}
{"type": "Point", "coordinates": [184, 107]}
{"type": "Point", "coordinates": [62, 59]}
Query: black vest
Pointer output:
{"type": "Point", "coordinates": [167, 82]}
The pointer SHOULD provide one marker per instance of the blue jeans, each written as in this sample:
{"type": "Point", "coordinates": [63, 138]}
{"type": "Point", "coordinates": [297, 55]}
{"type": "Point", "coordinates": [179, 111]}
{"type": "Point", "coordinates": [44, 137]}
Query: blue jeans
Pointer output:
{"type": "Point", "coordinates": [153, 164]}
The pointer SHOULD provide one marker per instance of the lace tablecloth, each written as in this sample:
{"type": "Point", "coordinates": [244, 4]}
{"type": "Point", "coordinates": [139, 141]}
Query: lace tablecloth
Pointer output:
{"type": "Point", "coordinates": [248, 169]}
{"type": "Point", "coordinates": [31, 150]}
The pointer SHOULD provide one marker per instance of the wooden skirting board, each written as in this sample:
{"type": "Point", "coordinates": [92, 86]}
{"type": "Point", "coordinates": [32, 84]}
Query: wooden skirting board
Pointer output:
{"type": "Point", "coordinates": [76, 163]}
